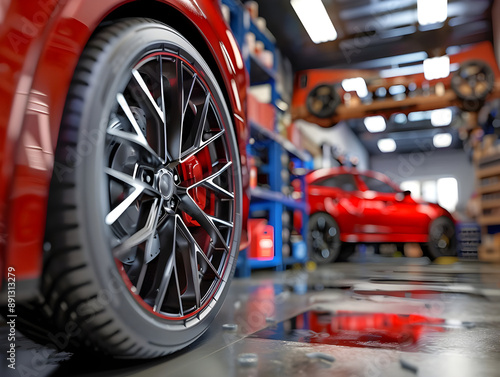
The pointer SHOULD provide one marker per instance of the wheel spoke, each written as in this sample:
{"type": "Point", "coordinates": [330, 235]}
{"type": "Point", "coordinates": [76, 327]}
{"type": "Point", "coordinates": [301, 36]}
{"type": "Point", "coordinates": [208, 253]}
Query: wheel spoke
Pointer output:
{"type": "Point", "coordinates": [135, 139]}
{"type": "Point", "coordinates": [227, 224]}
{"type": "Point", "coordinates": [162, 95]}
{"type": "Point", "coordinates": [144, 234]}
{"type": "Point", "coordinates": [209, 264]}
{"type": "Point", "coordinates": [176, 275]}
{"type": "Point", "coordinates": [145, 91]}
{"type": "Point", "coordinates": [185, 105]}
{"type": "Point", "coordinates": [166, 262]}
{"type": "Point", "coordinates": [195, 249]}
{"type": "Point", "coordinates": [176, 121]}
{"type": "Point", "coordinates": [130, 116]}
{"type": "Point", "coordinates": [199, 126]}
{"type": "Point", "coordinates": [138, 186]}
{"type": "Point", "coordinates": [208, 181]}
{"type": "Point", "coordinates": [202, 144]}
{"type": "Point", "coordinates": [189, 206]}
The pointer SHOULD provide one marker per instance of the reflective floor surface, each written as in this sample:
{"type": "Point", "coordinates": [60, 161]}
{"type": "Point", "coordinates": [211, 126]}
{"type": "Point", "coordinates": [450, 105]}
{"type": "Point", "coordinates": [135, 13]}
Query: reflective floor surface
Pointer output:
{"type": "Point", "coordinates": [382, 317]}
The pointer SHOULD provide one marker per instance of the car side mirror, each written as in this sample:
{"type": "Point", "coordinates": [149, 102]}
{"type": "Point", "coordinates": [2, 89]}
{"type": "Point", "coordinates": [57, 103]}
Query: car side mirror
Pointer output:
{"type": "Point", "coordinates": [400, 196]}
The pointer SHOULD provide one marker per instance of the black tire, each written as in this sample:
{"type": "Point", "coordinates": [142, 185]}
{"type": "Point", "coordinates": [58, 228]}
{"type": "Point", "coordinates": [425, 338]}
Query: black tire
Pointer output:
{"type": "Point", "coordinates": [323, 100]}
{"type": "Point", "coordinates": [140, 244]}
{"type": "Point", "coordinates": [323, 238]}
{"type": "Point", "coordinates": [442, 239]}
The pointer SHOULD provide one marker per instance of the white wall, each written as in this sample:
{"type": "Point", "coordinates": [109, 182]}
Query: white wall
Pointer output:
{"type": "Point", "coordinates": [430, 165]}
{"type": "Point", "coordinates": [341, 136]}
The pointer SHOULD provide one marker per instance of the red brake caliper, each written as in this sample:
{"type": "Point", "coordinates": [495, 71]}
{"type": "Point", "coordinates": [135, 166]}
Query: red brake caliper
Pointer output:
{"type": "Point", "coordinates": [192, 171]}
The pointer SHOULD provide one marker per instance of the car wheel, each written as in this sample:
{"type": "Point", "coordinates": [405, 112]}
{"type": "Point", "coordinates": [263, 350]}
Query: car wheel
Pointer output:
{"type": "Point", "coordinates": [144, 216]}
{"type": "Point", "coordinates": [442, 238]}
{"type": "Point", "coordinates": [323, 238]}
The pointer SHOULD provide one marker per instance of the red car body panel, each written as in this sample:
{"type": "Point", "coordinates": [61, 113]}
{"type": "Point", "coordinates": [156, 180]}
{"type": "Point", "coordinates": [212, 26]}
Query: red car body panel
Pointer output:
{"type": "Point", "coordinates": [369, 216]}
{"type": "Point", "coordinates": [40, 44]}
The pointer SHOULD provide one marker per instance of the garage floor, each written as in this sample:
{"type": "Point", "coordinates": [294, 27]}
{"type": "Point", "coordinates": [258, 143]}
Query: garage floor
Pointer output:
{"type": "Point", "coordinates": [377, 317]}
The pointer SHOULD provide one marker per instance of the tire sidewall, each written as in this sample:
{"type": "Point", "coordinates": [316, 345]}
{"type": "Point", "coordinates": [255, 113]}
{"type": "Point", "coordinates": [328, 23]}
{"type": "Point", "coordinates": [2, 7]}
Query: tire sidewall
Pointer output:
{"type": "Point", "coordinates": [110, 75]}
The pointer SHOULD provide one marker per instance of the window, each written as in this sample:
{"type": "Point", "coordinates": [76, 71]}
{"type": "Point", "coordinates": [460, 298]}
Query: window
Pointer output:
{"type": "Point", "coordinates": [344, 182]}
{"type": "Point", "coordinates": [377, 185]}
{"type": "Point", "coordinates": [447, 193]}
{"type": "Point", "coordinates": [443, 191]}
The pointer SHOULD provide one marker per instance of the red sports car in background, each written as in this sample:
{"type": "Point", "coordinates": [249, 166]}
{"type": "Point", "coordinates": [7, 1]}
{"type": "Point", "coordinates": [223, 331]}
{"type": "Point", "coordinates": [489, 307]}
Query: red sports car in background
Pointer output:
{"type": "Point", "coordinates": [123, 170]}
{"type": "Point", "coordinates": [348, 206]}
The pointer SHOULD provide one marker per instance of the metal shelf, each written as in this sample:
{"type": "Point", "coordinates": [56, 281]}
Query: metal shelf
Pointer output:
{"type": "Point", "coordinates": [275, 196]}
{"type": "Point", "coordinates": [271, 200]}
{"type": "Point", "coordinates": [260, 73]}
{"type": "Point", "coordinates": [286, 144]}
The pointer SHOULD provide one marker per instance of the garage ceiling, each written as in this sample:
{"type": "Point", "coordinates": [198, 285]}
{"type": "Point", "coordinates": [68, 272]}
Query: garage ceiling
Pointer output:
{"type": "Point", "coordinates": [380, 34]}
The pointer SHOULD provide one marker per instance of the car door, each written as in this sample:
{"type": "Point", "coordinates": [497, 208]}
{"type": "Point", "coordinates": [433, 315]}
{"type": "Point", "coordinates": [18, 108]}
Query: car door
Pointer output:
{"type": "Point", "coordinates": [339, 196]}
{"type": "Point", "coordinates": [388, 211]}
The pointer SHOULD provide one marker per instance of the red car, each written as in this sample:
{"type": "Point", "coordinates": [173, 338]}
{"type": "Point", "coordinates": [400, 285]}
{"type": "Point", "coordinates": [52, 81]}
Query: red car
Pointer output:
{"type": "Point", "coordinates": [348, 206]}
{"type": "Point", "coordinates": [123, 171]}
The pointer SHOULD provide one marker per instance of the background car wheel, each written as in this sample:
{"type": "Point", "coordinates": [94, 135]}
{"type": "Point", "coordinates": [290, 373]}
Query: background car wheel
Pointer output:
{"type": "Point", "coordinates": [323, 238]}
{"type": "Point", "coordinates": [144, 215]}
{"type": "Point", "coordinates": [442, 239]}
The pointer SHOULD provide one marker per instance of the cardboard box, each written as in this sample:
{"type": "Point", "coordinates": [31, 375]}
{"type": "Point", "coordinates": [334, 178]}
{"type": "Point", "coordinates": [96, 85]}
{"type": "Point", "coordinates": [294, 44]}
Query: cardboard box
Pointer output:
{"type": "Point", "coordinates": [261, 113]}
{"type": "Point", "coordinates": [489, 250]}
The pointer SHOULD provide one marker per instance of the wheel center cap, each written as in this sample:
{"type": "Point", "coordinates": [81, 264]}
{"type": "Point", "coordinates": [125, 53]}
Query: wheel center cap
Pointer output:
{"type": "Point", "coordinates": [166, 184]}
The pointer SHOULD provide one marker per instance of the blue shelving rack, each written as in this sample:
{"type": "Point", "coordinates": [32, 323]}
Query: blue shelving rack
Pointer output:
{"type": "Point", "coordinates": [270, 199]}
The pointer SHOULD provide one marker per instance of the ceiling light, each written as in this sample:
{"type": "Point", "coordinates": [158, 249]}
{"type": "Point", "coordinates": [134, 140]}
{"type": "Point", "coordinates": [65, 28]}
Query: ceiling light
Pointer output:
{"type": "Point", "coordinates": [316, 21]}
{"type": "Point", "coordinates": [357, 84]}
{"type": "Point", "coordinates": [397, 89]}
{"type": "Point", "coordinates": [442, 140]}
{"type": "Point", "coordinates": [386, 145]}
{"type": "Point", "coordinates": [441, 117]}
{"type": "Point", "coordinates": [418, 116]}
{"type": "Point", "coordinates": [432, 11]}
{"type": "Point", "coordinates": [375, 124]}
{"type": "Point", "coordinates": [437, 68]}
{"type": "Point", "coordinates": [400, 118]}
{"type": "Point", "coordinates": [402, 71]}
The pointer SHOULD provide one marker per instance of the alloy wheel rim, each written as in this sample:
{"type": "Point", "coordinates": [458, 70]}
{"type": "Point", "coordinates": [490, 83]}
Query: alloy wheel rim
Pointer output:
{"type": "Point", "coordinates": [172, 202]}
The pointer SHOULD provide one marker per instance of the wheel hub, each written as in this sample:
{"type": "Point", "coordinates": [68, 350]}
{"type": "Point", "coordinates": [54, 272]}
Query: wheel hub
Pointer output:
{"type": "Point", "coordinates": [166, 183]}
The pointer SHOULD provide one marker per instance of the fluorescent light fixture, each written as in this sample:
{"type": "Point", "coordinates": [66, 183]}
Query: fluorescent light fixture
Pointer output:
{"type": "Point", "coordinates": [375, 124]}
{"type": "Point", "coordinates": [442, 140]}
{"type": "Point", "coordinates": [437, 68]}
{"type": "Point", "coordinates": [432, 11]}
{"type": "Point", "coordinates": [402, 71]}
{"type": "Point", "coordinates": [316, 21]}
{"type": "Point", "coordinates": [400, 118]}
{"type": "Point", "coordinates": [397, 89]}
{"type": "Point", "coordinates": [418, 116]}
{"type": "Point", "coordinates": [386, 145]}
{"type": "Point", "coordinates": [381, 92]}
{"type": "Point", "coordinates": [357, 84]}
{"type": "Point", "coordinates": [441, 117]}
